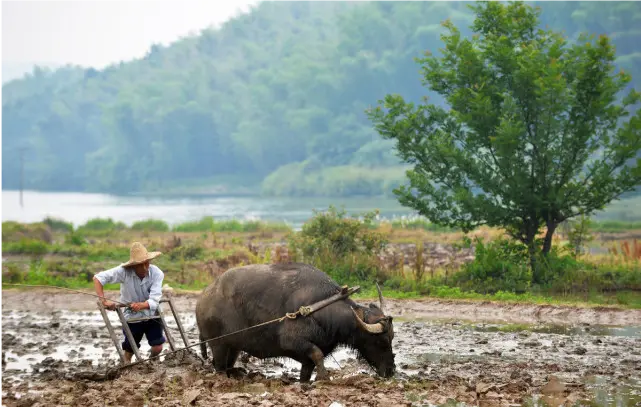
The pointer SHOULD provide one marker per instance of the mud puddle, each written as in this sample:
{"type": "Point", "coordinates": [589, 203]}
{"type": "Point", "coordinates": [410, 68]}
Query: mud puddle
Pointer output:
{"type": "Point", "coordinates": [473, 363]}
{"type": "Point", "coordinates": [569, 330]}
{"type": "Point", "coordinates": [455, 358]}
{"type": "Point", "coordinates": [33, 342]}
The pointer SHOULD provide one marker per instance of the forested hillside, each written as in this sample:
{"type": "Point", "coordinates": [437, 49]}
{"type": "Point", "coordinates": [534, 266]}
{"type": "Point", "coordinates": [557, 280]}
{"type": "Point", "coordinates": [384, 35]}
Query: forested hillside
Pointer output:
{"type": "Point", "coordinates": [276, 96]}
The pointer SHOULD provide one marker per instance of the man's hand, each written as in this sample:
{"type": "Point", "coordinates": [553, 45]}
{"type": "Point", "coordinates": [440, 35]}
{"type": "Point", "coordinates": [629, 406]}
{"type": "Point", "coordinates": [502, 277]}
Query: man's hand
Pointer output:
{"type": "Point", "coordinates": [110, 305]}
{"type": "Point", "coordinates": [139, 306]}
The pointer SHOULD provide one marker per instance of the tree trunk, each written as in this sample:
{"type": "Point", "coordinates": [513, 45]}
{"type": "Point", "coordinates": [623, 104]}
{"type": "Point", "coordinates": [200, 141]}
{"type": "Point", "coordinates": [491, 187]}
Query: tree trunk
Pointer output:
{"type": "Point", "coordinates": [547, 242]}
{"type": "Point", "coordinates": [530, 241]}
{"type": "Point", "coordinates": [531, 245]}
{"type": "Point", "coordinates": [533, 263]}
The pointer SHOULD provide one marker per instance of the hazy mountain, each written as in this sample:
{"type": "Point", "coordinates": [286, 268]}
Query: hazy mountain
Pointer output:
{"type": "Point", "coordinates": [17, 70]}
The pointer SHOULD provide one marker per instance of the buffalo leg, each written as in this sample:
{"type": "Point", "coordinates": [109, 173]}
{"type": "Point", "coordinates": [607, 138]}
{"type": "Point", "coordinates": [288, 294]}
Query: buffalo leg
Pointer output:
{"type": "Point", "coordinates": [224, 360]}
{"type": "Point", "coordinates": [203, 346]}
{"type": "Point", "coordinates": [314, 360]}
{"type": "Point", "coordinates": [309, 355]}
{"type": "Point", "coordinates": [306, 371]}
{"type": "Point", "coordinates": [316, 355]}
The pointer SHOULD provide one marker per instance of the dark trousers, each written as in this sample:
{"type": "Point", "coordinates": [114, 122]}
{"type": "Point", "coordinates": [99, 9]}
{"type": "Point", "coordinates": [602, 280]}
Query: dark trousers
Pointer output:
{"type": "Point", "coordinates": [152, 329]}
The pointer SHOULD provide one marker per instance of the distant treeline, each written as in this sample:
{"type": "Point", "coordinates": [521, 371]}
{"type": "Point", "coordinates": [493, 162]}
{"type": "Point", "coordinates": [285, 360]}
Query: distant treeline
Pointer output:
{"type": "Point", "coordinates": [12, 231]}
{"type": "Point", "coordinates": [277, 95]}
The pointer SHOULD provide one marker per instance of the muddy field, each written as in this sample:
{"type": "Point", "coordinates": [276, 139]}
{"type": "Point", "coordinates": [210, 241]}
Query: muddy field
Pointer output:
{"type": "Point", "coordinates": [56, 352]}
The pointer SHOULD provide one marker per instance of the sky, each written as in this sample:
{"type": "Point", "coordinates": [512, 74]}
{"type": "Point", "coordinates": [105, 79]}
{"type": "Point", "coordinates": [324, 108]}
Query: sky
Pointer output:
{"type": "Point", "coordinates": [98, 33]}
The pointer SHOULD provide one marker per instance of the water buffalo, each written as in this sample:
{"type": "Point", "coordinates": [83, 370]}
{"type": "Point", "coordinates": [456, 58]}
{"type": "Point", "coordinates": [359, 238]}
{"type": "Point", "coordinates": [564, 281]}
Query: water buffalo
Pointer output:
{"type": "Point", "coordinates": [249, 295]}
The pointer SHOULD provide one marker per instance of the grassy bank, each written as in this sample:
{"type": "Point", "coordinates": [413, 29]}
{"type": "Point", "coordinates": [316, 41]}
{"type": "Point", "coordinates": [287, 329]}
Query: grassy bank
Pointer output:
{"type": "Point", "coordinates": [410, 258]}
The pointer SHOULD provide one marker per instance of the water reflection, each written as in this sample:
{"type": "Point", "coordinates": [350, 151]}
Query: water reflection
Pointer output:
{"type": "Point", "coordinates": [595, 330]}
{"type": "Point", "coordinates": [626, 392]}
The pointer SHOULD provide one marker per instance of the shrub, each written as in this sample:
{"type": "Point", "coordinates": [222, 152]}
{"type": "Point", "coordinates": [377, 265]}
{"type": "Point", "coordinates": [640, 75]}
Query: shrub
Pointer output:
{"type": "Point", "coordinates": [100, 226]}
{"type": "Point", "coordinates": [16, 232]}
{"type": "Point", "coordinates": [208, 224]}
{"type": "Point", "coordinates": [150, 225]}
{"type": "Point", "coordinates": [344, 247]}
{"type": "Point", "coordinates": [420, 223]}
{"type": "Point", "coordinates": [11, 273]}
{"type": "Point", "coordinates": [75, 239]}
{"type": "Point", "coordinates": [501, 265]}
{"type": "Point", "coordinates": [579, 234]}
{"type": "Point", "coordinates": [566, 275]}
{"type": "Point", "coordinates": [205, 224]}
{"type": "Point", "coordinates": [615, 226]}
{"type": "Point", "coordinates": [58, 225]}
{"type": "Point", "coordinates": [186, 252]}
{"type": "Point", "coordinates": [32, 247]}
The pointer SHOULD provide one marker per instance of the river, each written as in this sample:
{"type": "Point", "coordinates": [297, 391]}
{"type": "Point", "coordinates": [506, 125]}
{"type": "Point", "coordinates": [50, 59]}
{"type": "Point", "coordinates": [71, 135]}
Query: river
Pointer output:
{"type": "Point", "coordinates": [80, 207]}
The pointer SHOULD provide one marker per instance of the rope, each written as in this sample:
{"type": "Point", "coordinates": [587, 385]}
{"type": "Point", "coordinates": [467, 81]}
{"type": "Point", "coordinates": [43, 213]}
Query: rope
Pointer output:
{"type": "Point", "coordinates": [289, 315]}
{"type": "Point", "coordinates": [64, 288]}
{"type": "Point", "coordinates": [303, 310]}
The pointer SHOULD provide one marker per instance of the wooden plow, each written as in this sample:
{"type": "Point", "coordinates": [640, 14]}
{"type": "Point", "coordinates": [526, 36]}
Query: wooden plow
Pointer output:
{"type": "Point", "coordinates": [159, 317]}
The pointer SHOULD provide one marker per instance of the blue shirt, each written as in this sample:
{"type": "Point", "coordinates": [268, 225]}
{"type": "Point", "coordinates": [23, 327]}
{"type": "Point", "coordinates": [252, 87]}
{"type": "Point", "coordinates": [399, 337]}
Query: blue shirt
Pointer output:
{"type": "Point", "coordinates": [133, 289]}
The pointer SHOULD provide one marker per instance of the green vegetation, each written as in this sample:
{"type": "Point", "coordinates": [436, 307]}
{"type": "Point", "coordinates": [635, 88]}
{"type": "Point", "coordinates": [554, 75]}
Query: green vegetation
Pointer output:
{"type": "Point", "coordinates": [208, 224]}
{"type": "Point", "coordinates": [150, 225]}
{"type": "Point", "coordinates": [277, 94]}
{"type": "Point", "coordinates": [99, 226]}
{"type": "Point", "coordinates": [537, 131]}
{"type": "Point", "coordinates": [615, 226]}
{"type": "Point", "coordinates": [344, 247]}
{"type": "Point", "coordinates": [354, 250]}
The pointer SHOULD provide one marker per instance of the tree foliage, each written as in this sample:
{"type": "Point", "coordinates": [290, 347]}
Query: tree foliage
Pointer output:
{"type": "Point", "coordinates": [283, 85]}
{"type": "Point", "coordinates": [537, 129]}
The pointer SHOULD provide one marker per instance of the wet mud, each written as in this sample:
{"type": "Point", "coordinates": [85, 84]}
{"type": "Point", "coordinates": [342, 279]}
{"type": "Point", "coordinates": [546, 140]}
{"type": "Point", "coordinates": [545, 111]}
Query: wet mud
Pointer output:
{"type": "Point", "coordinates": [56, 351]}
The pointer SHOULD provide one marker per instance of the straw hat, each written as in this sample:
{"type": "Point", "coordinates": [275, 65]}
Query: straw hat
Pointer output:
{"type": "Point", "coordinates": [138, 254]}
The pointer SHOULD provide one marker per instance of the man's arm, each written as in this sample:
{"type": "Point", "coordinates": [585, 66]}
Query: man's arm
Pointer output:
{"type": "Point", "coordinates": [114, 275]}
{"type": "Point", "coordinates": [155, 294]}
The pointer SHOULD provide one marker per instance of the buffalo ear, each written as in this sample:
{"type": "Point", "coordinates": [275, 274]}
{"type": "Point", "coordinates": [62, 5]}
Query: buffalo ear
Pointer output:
{"type": "Point", "coordinates": [374, 306]}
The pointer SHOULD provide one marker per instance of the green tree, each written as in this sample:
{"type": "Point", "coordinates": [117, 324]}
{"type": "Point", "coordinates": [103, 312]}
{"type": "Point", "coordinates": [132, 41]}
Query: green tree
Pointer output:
{"type": "Point", "coordinates": [536, 131]}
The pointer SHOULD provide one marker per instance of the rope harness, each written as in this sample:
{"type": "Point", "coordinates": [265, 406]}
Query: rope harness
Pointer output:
{"type": "Point", "coordinates": [303, 311]}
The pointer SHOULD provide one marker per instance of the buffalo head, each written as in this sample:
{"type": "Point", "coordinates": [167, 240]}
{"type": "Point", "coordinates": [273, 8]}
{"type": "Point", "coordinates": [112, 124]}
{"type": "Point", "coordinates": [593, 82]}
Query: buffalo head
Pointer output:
{"type": "Point", "coordinates": [373, 340]}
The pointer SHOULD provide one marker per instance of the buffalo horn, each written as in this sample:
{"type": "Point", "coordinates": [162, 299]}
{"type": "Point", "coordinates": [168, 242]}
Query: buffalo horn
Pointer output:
{"type": "Point", "coordinates": [371, 328]}
{"type": "Point", "coordinates": [380, 298]}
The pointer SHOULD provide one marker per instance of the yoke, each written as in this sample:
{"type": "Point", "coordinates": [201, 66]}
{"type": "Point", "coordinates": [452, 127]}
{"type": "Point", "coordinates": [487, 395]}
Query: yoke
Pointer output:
{"type": "Point", "coordinates": [158, 317]}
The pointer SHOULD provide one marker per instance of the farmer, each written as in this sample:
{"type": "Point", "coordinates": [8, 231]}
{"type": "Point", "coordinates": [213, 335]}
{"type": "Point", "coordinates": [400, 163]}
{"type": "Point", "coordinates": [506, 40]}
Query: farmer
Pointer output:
{"type": "Point", "coordinates": [140, 286]}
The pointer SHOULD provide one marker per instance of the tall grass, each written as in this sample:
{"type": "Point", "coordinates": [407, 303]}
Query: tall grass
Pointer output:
{"type": "Point", "coordinates": [420, 223]}
{"type": "Point", "coordinates": [209, 224]}
{"type": "Point", "coordinates": [349, 248]}
{"type": "Point", "coordinates": [58, 225]}
{"type": "Point", "coordinates": [613, 226]}
{"type": "Point", "coordinates": [628, 252]}
{"type": "Point", "coordinates": [101, 227]}
{"type": "Point", "coordinates": [345, 247]}
{"type": "Point", "coordinates": [150, 225]}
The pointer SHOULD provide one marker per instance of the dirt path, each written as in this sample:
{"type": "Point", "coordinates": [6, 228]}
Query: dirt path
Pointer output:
{"type": "Point", "coordinates": [55, 345]}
